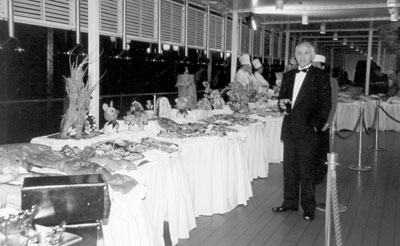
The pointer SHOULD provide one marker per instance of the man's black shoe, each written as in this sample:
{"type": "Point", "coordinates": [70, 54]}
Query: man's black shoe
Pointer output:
{"type": "Point", "coordinates": [308, 216]}
{"type": "Point", "coordinates": [282, 209]}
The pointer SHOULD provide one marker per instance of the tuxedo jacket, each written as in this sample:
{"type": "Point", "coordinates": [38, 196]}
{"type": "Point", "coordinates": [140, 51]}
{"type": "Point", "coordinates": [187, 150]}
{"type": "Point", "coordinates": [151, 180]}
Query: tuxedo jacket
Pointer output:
{"type": "Point", "coordinates": [311, 109]}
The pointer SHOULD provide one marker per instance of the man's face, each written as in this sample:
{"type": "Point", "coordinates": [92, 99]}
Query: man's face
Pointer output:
{"type": "Point", "coordinates": [304, 55]}
{"type": "Point", "coordinates": [247, 67]}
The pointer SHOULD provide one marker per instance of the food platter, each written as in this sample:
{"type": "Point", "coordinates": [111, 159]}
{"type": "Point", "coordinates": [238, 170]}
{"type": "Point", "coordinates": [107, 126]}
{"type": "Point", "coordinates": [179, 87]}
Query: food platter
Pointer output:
{"type": "Point", "coordinates": [120, 150]}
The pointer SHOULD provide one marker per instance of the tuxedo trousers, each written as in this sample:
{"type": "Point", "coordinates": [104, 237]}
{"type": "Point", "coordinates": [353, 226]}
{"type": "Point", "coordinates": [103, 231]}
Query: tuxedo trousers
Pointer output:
{"type": "Point", "coordinates": [300, 159]}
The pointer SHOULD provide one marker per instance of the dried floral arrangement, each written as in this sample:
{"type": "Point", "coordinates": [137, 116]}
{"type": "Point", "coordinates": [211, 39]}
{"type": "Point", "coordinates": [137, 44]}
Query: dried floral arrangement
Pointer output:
{"type": "Point", "coordinates": [78, 98]}
{"type": "Point", "coordinates": [182, 106]}
{"type": "Point", "coordinates": [136, 115]}
{"type": "Point", "coordinates": [239, 96]}
{"type": "Point", "coordinates": [212, 99]}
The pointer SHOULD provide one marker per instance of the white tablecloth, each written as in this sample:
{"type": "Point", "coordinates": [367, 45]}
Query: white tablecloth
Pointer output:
{"type": "Point", "coordinates": [347, 114]}
{"type": "Point", "coordinates": [210, 174]}
{"type": "Point", "coordinates": [167, 195]}
{"type": "Point", "coordinates": [218, 175]}
{"type": "Point", "coordinates": [273, 126]}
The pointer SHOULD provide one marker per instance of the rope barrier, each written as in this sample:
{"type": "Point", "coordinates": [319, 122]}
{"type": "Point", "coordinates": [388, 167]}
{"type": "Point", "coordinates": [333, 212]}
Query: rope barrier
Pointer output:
{"type": "Point", "coordinates": [365, 126]}
{"type": "Point", "coordinates": [352, 132]}
{"type": "Point", "coordinates": [375, 115]}
{"type": "Point", "coordinates": [388, 115]}
{"type": "Point", "coordinates": [376, 121]}
{"type": "Point", "coordinates": [335, 208]}
{"type": "Point", "coordinates": [332, 205]}
{"type": "Point", "coordinates": [360, 167]}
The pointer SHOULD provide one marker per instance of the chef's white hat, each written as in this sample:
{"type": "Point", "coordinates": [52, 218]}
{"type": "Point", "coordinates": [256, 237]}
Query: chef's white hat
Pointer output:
{"type": "Point", "coordinates": [244, 59]}
{"type": "Point", "coordinates": [319, 58]}
{"type": "Point", "coordinates": [257, 64]}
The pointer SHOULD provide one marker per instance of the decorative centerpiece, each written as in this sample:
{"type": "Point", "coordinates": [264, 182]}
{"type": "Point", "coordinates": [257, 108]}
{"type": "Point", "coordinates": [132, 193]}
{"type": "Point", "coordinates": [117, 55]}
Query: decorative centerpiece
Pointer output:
{"type": "Point", "coordinates": [212, 99]}
{"type": "Point", "coordinates": [16, 228]}
{"type": "Point", "coordinates": [111, 115]}
{"type": "Point", "coordinates": [77, 100]}
{"type": "Point", "coordinates": [182, 106]}
{"type": "Point", "coordinates": [239, 97]}
{"type": "Point", "coordinates": [136, 118]}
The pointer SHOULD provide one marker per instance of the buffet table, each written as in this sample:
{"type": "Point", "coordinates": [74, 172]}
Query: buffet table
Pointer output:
{"type": "Point", "coordinates": [347, 114]}
{"type": "Point", "coordinates": [166, 196]}
{"type": "Point", "coordinates": [209, 175]}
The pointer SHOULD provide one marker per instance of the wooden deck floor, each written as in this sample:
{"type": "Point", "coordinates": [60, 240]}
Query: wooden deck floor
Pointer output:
{"type": "Point", "coordinates": [372, 197]}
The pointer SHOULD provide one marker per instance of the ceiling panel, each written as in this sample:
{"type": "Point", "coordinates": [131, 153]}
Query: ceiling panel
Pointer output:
{"type": "Point", "coordinates": [344, 16]}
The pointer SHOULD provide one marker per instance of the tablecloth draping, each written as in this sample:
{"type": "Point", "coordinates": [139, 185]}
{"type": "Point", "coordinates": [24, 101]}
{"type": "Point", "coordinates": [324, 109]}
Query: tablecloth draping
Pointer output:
{"type": "Point", "coordinates": [257, 141]}
{"type": "Point", "coordinates": [128, 222]}
{"type": "Point", "coordinates": [347, 114]}
{"type": "Point", "coordinates": [217, 167]}
{"type": "Point", "coordinates": [167, 195]}
{"type": "Point", "coordinates": [217, 172]}
{"type": "Point", "coordinates": [209, 175]}
{"type": "Point", "coordinates": [273, 126]}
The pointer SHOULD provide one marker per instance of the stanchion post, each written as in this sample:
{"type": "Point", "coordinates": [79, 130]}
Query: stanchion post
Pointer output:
{"type": "Point", "coordinates": [376, 147]}
{"type": "Point", "coordinates": [332, 133]}
{"type": "Point", "coordinates": [328, 205]}
{"type": "Point", "coordinates": [360, 167]}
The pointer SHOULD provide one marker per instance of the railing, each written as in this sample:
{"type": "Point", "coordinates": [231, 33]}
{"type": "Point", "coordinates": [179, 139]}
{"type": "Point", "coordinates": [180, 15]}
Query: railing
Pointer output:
{"type": "Point", "coordinates": [21, 120]}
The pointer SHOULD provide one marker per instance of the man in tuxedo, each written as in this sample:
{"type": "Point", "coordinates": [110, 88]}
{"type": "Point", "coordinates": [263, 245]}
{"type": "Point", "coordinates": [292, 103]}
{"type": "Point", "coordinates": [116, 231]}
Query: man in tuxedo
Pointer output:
{"type": "Point", "coordinates": [305, 97]}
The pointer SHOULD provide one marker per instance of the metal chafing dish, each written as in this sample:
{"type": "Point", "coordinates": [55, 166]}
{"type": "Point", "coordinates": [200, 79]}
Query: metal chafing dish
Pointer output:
{"type": "Point", "coordinates": [82, 201]}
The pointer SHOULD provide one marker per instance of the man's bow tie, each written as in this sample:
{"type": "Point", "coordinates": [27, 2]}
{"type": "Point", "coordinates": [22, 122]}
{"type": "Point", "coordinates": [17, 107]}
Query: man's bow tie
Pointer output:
{"type": "Point", "coordinates": [305, 70]}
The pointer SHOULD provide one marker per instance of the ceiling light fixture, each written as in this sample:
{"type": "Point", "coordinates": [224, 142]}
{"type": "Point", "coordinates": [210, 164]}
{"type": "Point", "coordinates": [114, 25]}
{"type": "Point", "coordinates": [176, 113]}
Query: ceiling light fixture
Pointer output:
{"type": "Point", "coordinates": [335, 36]}
{"type": "Point", "coordinates": [345, 41]}
{"type": "Point", "coordinates": [304, 19]}
{"type": "Point", "coordinates": [279, 4]}
{"type": "Point", "coordinates": [323, 28]}
{"type": "Point", "coordinates": [352, 45]}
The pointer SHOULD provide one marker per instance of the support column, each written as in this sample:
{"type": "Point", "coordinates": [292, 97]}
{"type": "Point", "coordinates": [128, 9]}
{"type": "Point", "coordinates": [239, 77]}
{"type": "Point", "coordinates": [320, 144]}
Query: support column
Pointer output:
{"type": "Point", "coordinates": [378, 55]}
{"type": "Point", "coordinates": [332, 61]}
{"type": "Point", "coordinates": [159, 51]}
{"type": "Point", "coordinates": [186, 28]}
{"type": "Point", "coordinates": [262, 40]}
{"type": "Point", "coordinates": [93, 51]}
{"type": "Point", "coordinates": [384, 60]}
{"type": "Point", "coordinates": [225, 34]}
{"type": "Point", "coordinates": [369, 54]}
{"type": "Point", "coordinates": [208, 52]}
{"type": "Point", "coordinates": [280, 41]}
{"type": "Point", "coordinates": [287, 42]}
{"type": "Point", "coordinates": [50, 61]}
{"type": "Point", "coordinates": [251, 44]}
{"type": "Point", "coordinates": [271, 47]}
{"type": "Point", "coordinates": [235, 36]}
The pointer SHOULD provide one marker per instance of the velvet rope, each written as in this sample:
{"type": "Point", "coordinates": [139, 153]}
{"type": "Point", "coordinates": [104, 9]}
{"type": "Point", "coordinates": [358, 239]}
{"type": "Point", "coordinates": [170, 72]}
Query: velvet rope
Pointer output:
{"type": "Point", "coordinates": [335, 210]}
{"type": "Point", "coordinates": [351, 133]}
{"type": "Point", "coordinates": [375, 117]}
{"type": "Point", "coordinates": [365, 127]}
{"type": "Point", "coordinates": [388, 115]}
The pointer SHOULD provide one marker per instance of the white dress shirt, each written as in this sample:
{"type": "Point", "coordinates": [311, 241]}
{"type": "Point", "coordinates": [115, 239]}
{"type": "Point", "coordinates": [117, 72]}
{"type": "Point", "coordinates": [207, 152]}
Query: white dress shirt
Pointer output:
{"type": "Point", "coordinates": [298, 82]}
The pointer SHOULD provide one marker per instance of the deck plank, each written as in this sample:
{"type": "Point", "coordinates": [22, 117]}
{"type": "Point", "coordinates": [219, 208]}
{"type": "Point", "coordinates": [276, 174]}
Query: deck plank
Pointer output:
{"type": "Point", "coordinates": [372, 197]}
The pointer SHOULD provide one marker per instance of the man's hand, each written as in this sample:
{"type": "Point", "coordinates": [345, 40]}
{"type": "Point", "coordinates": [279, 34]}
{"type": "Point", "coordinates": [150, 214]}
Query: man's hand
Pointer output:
{"type": "Point", "coordinates": [326, 126]}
